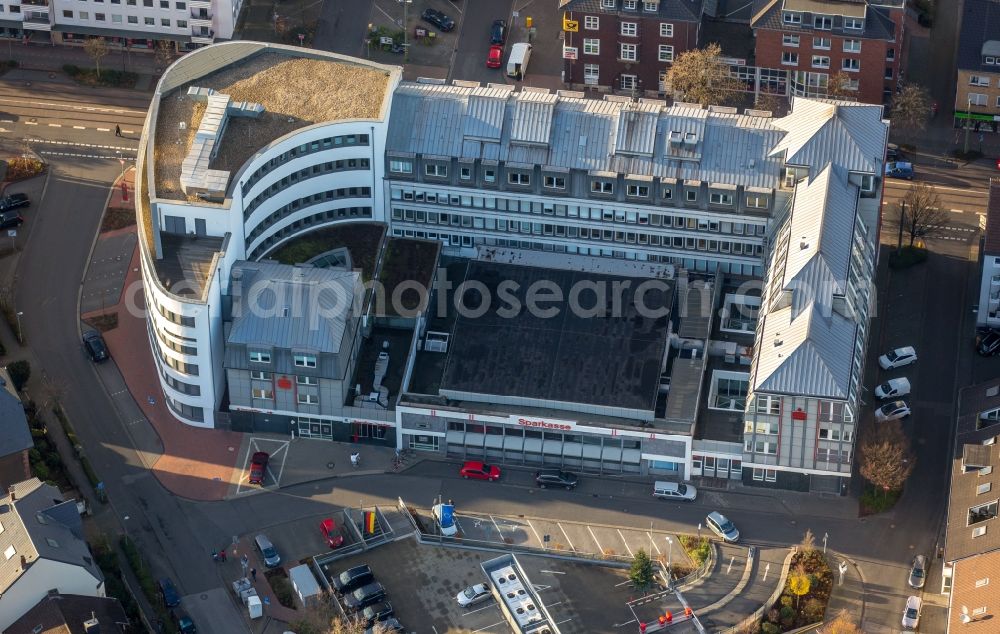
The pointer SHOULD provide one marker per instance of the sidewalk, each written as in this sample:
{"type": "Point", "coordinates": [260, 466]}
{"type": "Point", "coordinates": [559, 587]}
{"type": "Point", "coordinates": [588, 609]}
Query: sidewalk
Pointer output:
{"type": "Point", "coordinates": [848, 596]}
{"type": "Point", "coordinates": [53, 58]}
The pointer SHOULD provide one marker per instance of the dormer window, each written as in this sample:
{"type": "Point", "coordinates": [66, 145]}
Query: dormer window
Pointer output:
{"type": "Point", "coordinates": [791, 18]}
{"type": "Point", "coordinates": [440, 171]}
{"type": "Point", "coordinates": [602, 187]}
{"type": "Point", "coordinates": [823, 22]}
{"type": "Point", "coordinates": [608, 4]}
{"type": "Point", "coordinates": [856, 24]}
{"type": "Point", "coordinates": [518, 178]}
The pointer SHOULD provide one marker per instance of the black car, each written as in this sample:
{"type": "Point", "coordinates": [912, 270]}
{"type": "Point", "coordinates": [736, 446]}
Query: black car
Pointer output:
{"type": "Point", "coordinates": [364, 596]}
{"type": "Point", "coordinates": [989, 344]}
{"type": "Point", "coordinates": [555, 478]}
{"type": "Point", "coordinates": [498, 32]}
{"type": "Point", "coordinates": [438, 19]}
{"type": "Point", "coordinates": [376, 613]}
{"type": "Point", "coordinates": [14, 201]}
{"type": "Point", "coordinates": [94, 344]}
{"type": "Point", "coordinates": [352, 578]}
{"type": "Point", "coordinates": [10, 219]}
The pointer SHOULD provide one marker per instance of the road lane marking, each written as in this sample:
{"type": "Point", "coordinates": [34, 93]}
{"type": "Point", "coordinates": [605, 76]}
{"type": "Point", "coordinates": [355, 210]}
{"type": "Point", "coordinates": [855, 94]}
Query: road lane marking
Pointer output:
{"type": "Point", "coordinates": [30, 123]}
{"type": "Point", "coordinates": [128, 131]}
{"type": "Point", "coordinates": [79, 127]}
{"type": "Point", "coordinates": [72, 107]}
{"type": "Point", "coordinates": [104, 129]}
{"type": "Point", "coordinates": [92, 156]}
{"type": "Point", "coordinates": [957, 211]}
{"type": "Point", "coordinates": [55, 125]}
{"type": "Point", "coordinates": [78, 144]}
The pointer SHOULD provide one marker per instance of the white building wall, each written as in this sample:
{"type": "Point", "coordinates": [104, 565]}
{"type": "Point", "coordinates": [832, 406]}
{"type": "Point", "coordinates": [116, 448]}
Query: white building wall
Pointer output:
{"type": "Point", "coordinates": [155, 19]}
{"type": "Point", "coordinates": [41, 576]}
{"type": "Point", "coordinates": [989, 293]}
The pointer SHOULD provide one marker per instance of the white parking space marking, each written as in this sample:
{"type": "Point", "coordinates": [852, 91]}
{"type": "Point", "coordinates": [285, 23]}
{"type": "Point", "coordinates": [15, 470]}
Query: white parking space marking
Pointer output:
{"type": "Point", "coordinates": [537, 536]}
{"type": "Point", "coordinates": [596, 541]}
{"type": "Point", "coordinates": [254, 446]}
{"type": "Point", "coordinates": [568, 541]}
{"type": "Point", "coordinates": [493, 519]}
{"type": "Point", "coordinates": [625, 541]}
{"type": "Point", "coordinates": [483, 629]}
{"type": "Point", "coordinates": [653, 542]}
{"type": "Point", "coordinates": [485, 607]}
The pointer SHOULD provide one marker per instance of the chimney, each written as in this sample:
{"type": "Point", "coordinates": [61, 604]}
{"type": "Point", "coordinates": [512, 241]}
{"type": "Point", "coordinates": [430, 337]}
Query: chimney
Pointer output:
{"type": "Point", "coordinates": [92, 626]}
{"type": "Point", "coordinates": [13, 493]}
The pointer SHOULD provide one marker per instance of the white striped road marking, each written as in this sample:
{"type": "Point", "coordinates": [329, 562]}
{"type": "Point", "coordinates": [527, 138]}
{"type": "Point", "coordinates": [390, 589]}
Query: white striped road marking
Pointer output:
{"type": "Point", "coordinates": [104, 129]}
{"type": "Point", "coordinates": [537, 536]}
{"type": "Point", "coordinates": [957, 211]}
{"type": "Point", "coordinates": [55, 125]}
{"type": "Point", "coordinates": [77, 144]}
{"type": "Point", "coordinates": [596, 541]}
{"type": "Point", "coordinates": [128, 131]}
{"type": "Point", "coordinates": [568, 541]}
{"type": "Point", "coordinates": [6, 121]}
{"type": "Point", "coordinates": [66, 105]}
{"type": "Point", "coordinates": [4, 130]}
{"type": "Point", "coordinates": [30, 123]}
{"type": "Point", "coordinates": [79, 127]}
{"type": "Point", "coordinates": [92, 156]}
{"type": "Point", "coordinates": [625, 541]}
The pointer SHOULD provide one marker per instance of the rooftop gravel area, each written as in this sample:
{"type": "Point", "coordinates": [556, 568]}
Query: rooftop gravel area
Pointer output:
{"type": "Point", "coordinates": [295, 92]}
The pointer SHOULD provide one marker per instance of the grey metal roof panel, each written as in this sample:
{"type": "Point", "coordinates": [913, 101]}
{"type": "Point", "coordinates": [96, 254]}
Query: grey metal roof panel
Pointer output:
{"type": "Point", "coordinates": [14, 433]}
{"type": "Point", "coordinates": [980, 24]}
{"type": "Point", "coordinates": [319, 303]}
{"type": "Point", "coordinates": [532, 122]}
{"type": "Point", "coordinates": [484, 117]}
{"type": "Point", "coordinates": [822, 131]}
{"type": "Point", "coordinates": [636, 130]}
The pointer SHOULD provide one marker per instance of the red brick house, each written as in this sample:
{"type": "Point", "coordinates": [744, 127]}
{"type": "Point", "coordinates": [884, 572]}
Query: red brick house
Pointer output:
{"type": "Point", "coordinates": [816, 39]}
{"type": "Point", "coordinates": [627, 45]}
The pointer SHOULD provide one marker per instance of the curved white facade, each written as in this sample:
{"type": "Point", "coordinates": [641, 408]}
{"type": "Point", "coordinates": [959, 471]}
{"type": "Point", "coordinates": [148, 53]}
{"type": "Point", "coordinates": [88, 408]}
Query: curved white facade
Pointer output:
{"type": "Point", "coordinates": [319, 175]}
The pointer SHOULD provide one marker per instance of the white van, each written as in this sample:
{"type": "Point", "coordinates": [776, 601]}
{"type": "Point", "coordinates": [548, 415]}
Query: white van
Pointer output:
{"type": "Point", "coordinates": [674, 491]}
{"type": "Point", "coordinates": [517, 63]}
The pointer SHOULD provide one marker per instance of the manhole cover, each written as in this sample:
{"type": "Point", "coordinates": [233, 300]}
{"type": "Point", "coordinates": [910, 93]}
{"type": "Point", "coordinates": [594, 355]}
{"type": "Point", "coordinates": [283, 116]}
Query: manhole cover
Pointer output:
{"type": "Point", "coordinates": [329, 465]}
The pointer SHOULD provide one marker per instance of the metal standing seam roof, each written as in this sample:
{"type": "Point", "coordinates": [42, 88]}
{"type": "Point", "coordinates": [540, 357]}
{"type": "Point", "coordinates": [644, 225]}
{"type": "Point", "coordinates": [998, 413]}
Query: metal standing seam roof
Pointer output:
{"type": "Point", "coordinates": [766, 14]}
{"type": "Point", "coordinates": [685, 10]}
{"type": "Point", "coordinates": [636, 132]}
{"type": "Point", "coordinates": [484, 117]}
{"type": "Point", "coordinates": [318, 303]}
{"type": "Point", "coordinates": [581, 134]}
{"type": "Point", "coordinates": [822, 131]}
{"type": "Point", "coordinates": [15, 436]}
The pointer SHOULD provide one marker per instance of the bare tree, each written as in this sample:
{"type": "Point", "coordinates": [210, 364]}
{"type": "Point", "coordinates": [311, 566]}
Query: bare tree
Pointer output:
{"type": "Point", "coordinates": [768, 101]}
{"type": "Point", "coordinates": [918, 215]}
{"type": "Point", "coordinates": [911, 109]}
{"type": "Point", "coordinates": [841, 624]}
{"type": "Point", "coordinates": [97, 49]}
{"type": "Point", "coordinates": [322, 618]}
{"type": "Point", "coordinates": [702, 76]}
{"type": "Point", "coordinates": [164, 53]}
{"type": "Point", "coordinates": [886, 457]}
{"type": "Point", "coordinates": [808, 543]}
{"type": "Point", "coordinates": [839, 87]}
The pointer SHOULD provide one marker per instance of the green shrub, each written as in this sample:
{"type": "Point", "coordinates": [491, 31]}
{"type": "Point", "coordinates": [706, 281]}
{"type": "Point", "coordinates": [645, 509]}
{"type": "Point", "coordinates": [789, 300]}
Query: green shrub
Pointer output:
{"type": "Point", "coordinates": [41, 471]}
{"type": "Point", "coordinates": [140, 569]}
{"type": "Point", "coordinates": [906, 257]}
{"type": "Point", "coordinates": [770, 628]}
{"type": "Point", "coordinates": [20, 372]}
{"type": "Point", "coordinates": [877, 501]}
{"type": "Point", "coordinates": [698, 549]}
{"type": "Point", "coordinates": [89, 471]}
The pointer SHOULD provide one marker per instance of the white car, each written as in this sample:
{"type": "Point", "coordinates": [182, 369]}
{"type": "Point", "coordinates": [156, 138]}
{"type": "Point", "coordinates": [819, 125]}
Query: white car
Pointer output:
{"type": "Point", "coordinates": [893, 388]}
{"type": "Point", "coordinates": [911, 614]}
{"type": "Point", "coordinates": [441, 517]}
{"type": "Point", "coordinates": [898, 358]}
{"type": "Point", "coordinates": [473, 594]}
{"type": "Point", "coordinates": [892, 411]}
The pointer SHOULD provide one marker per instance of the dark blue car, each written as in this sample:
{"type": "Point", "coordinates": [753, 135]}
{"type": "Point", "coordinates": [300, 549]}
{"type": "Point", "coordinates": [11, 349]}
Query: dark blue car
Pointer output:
{"type": "Point", "coordinates": [169, 593]}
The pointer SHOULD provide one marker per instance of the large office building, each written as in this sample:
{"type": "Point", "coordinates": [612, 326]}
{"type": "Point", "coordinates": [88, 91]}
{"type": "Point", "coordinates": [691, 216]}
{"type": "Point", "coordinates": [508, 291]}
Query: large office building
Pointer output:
{"type": "Point", "coordinates": [682, 209]}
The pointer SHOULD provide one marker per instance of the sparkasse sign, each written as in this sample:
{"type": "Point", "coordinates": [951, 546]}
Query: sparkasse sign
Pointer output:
{"type": "Point", "coordinates": [538, 423]}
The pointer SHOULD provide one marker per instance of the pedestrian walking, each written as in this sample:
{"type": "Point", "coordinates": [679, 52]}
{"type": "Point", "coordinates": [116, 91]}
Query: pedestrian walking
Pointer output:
{"type": "Point", "coordinates": [253, 574]}
{"type": "Point", "coordinates": [118, 130]}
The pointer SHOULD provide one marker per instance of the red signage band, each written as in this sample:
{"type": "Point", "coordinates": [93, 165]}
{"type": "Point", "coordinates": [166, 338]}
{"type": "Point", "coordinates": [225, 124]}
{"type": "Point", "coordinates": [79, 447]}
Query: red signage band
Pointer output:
{"type": "Point", "coordinates": [524, 422]}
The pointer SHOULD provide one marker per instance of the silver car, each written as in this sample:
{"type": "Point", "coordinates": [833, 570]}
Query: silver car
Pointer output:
{"type": "Point", "coordinates": [721, 526]}
{"type": "Point", "coordinates": [918, 572]}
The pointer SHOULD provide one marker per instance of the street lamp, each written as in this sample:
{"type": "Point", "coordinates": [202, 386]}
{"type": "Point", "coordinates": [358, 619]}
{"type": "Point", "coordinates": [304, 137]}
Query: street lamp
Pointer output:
{"type": "Point", "coordinates": [406, 48]}
{"type": "Point", "coordinates": [825, 537]}
{"type": "Point", "coordinates": [20, 339]}
{"type": "Point", "coordinates": [670, 560]}
{"type": "Point", "coordinates": [968, 120]}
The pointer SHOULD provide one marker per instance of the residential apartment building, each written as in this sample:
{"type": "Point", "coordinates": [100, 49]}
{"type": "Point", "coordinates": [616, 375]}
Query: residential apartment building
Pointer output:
{"type": "Point", "coordinates": [73, 614]}
{"type": "Point", "coordinates": [972, 541]}
{"type": "Point", "coordinates": [977, 93]}
{"type": "Point", "coordinates": [989, 283]}
{"type": "Point", "coordinates": [627, 45]}
{"type": "Point", "coordinates": [698, 197]}
{"type": "Point", "coordinates": [15, 436]}
{"type": "Point", "coordinates": [43, 550]}
{"type": "Point", "coordinates": [816, 39]}
{"type": "Point", "coordinates": [128, 25]}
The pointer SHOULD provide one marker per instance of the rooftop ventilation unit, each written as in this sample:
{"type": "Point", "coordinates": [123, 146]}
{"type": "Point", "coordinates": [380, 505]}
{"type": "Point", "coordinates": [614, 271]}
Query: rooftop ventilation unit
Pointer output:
{"type": "Point", "coordinates": [676, 138]}
{"type": "Point", "coordinates": [690, 139]}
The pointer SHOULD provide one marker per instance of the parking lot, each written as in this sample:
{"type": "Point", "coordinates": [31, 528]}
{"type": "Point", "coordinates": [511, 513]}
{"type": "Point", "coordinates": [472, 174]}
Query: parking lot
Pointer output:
{"type": "Point", "coordinates": [423, 581]}
{"type": "Point", "coordinates": [278, 450]}
{"type": "Point", "coordinates": [608, 542]}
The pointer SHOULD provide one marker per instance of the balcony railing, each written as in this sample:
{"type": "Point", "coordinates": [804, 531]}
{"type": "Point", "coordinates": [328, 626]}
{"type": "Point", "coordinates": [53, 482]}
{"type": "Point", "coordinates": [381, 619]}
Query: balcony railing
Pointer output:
{"type": "Point", "coordinates": [36, 21]}
{"type": "Point", "coordinates": [39, 4]}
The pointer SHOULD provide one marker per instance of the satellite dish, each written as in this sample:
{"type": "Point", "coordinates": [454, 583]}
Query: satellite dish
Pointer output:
{"type": "Point", "coordinates": [965, 618]}
{"type": "Point", "coordinates": [965, 610]}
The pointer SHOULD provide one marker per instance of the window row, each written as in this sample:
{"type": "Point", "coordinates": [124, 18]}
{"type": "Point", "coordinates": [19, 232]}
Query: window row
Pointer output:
{"type": "Point", "coordinates": [820, 61]}
{"type": "Point", "coordinates": [176, 347]}
{"type": "Point", "coordinates": [117, 19]}
{"type": "Point", "coordinates": [823, 22]}
{"type": "Point", "coordinates": [978, 99]}
{"type": "Point", "coordinates": [313, 171]}
{"type": "Point", "coordinates": [260, 375]}
{"type": "Point", "coordinates": [312, 147]}
{"type": "Point", "coordinates": [174, 318]}
{"type": "Point", "coordinates": [190, 369]}
{"type": "Point", "coordinates": [839, 456]}
{"type": "Point", "coordinates": [822, 43]}
{"type": "Point", "coordinates": [584, 213]}
{"type": "Point", "coordinates": [765, 475]}
{"type": "Point", "coordinates": [183, 410]}
{"type": "Point", "coordinates": [323, 217]}
{"type": "Point", "coordinates": [267, 394]}
{"type": "Point", "coordinates": [306, 201]}
{"type": "Point", "coordinates": [163, 4]}
{"type": "Point", "coordinates": [180, 386]}
{"type": "Point", "coordinates": [604, 235]}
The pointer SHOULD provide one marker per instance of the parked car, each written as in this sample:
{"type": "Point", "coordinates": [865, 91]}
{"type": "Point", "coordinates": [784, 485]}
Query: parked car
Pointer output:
{"type": "Point", "coordinates": [444, 515]}
{"type": "Point", "coordinates": [376, 613]}
{"type": "Point", "coordinates": [674, 491]}
{"type": "Point", "coordinates": [989, 344]}
{"type": "Point", "coordinates": [267, 550]}
{"type": "Point", "coordinates": [14, 201]}
{"type": "Point", "coordinates": [556, 478]}
{"type": "Point", "coordinates": [899, 169]}
{"type": "Point", "coordinates": [258, 467]}
{"type": "Point", "coordinates": [472, 594]}
{"type": "Point", "coordinates": [918, 572]}
{"type": "Point", "coordinates": [498, 32]}
{"type": "Point", "coordinates": [352, 578]}
{"type": "Point", "coordinates": [494, 59]}
{"type": "Point", "coordinates": [911, 613]}
{"type": "Point", "coordinates": [721, 526]}
{"type": "Point", "coordinates": [892, 411]}
{"type": "Point", "coordinates": [897, 358]}
{"type": "Point", "coordinates": [10, 220]}
{"type": "Point", "coordinates": [893, 388]}
{"type": "Point", "coordinates": [392, 624]}
{"type": "Point", "coordinates": [364, 596]}
{"type": "Point", "coordinates": [93, 344]}
{"type": "Point", "coordinates": [479, 471]}
{"type": "Point", "coordinates": [331, 533]}
{"type": "Point", "coordinates": [184, 623]}
{"type": "Point", "coordinates": [438, 19]}
{"type": "Point", "coordinates": [168, 591]}
{"type": "Point", "coordinates": [893, 153]}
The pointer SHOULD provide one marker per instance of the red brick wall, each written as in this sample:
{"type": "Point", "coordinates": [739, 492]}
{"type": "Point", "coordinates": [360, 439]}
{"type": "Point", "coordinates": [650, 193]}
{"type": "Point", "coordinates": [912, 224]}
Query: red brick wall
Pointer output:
{"type": "Point", "coordinates": [648, 39]}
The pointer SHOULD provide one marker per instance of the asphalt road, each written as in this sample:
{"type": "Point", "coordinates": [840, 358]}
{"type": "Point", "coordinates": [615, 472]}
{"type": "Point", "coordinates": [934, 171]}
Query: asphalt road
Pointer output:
{"type": "Point", "coordinates": [474, 41]}
{"type": "Point", "coordinates": [342, 26]}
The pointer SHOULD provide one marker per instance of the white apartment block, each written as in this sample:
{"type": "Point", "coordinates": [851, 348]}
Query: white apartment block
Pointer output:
{"type": "Point", "coordinates": [129, 24]}
{"type": "Point", "coordinates": [712, 191]}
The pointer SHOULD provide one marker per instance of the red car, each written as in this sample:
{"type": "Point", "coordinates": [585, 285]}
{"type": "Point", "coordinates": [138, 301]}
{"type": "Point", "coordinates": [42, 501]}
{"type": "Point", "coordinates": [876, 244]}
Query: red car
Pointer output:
{"type": "Point", "coordinates": [493, 59]}
{"type": "Point", "coordinates": [331, 534]}
{"type": "Point", "coordinates": [258, 466]}
{"type": "Point", "coordinates": [480, 471]}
